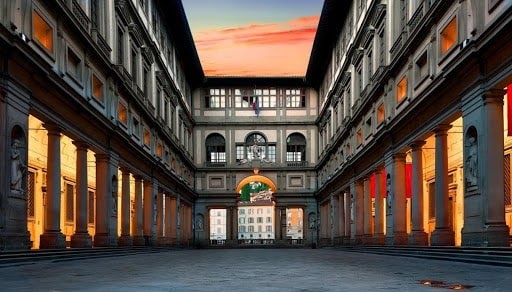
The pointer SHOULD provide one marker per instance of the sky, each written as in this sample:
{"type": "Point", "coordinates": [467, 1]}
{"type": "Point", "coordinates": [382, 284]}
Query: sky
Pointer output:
{"type": "Point", "coordinates": [253, 37]}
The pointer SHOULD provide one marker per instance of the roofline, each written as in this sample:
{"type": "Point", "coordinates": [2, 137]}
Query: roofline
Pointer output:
{"type": "Point", "coordinates": [183, 41]}
{"type": "Point", "coordinates": [331, 21]}
{"type": "Point", "coordinates": [255, 81]}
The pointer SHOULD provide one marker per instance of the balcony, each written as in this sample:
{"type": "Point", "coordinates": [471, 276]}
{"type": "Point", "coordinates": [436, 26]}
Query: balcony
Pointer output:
{"type": "Point", "coordinates": [214, 164]}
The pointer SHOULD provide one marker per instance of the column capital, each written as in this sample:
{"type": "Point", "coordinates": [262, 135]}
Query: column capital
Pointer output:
{"type": "Point", "coordinates": [125, 170]}
{"type": "Point", "coordinates": [399, 156]}
{"type": "Point", "coordinates": [53, 129]}
{"type": "Point", "coordinates": [416, 145]}
{"type": "Point", "coordinates": [80, 145]}
{"type": "Point", "coordinates": [441, 129]}
{"type": "Point", "coordinates": [102, 157]}
{"type": "Point", "coordinates": [493, 95]}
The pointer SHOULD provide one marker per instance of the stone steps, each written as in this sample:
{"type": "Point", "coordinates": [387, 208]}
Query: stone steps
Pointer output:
{"type": "Point", "coordinates": [11, 258]}
{"type": "Point", "coordinates": [498, 256]}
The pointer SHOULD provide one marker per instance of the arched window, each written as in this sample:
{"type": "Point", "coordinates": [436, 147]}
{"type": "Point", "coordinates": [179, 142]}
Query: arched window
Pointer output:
{"type": "Point", "coordinates": [215, 148]}
{"type": "Point", "coordinates": [295, 148]}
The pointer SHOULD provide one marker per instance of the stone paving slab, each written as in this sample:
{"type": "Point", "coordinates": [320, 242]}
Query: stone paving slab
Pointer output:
{"type": "Point", "coordinates": [252, 270]}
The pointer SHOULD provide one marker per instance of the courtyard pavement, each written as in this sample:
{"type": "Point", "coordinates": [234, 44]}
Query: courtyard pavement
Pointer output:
{"type": "Point", "coordinates": [253, 270]}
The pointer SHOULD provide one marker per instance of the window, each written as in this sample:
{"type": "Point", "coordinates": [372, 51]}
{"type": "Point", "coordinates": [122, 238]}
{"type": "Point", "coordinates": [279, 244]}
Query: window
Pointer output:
{"type": "Point", "coordinates": [146, 81]}
{"type": "Point", "coordinates": [259, 220]}
{"type": "Point", "coordinates": [268, 228]}
{"type": "Point", "coordinates": [401, 90]}
{"type": "Point", "coordinates": [159, 150]}
{"type": "Point", "coordinates": [97, 88]}
{"type": "Point", "coordinates": [122, 113]}
{"type": "Point", "coordinates": [251, 229]}
{"type": "Point", "coordinates": [382, 48]}
{"type": "Point", "coordinates": [448, 37]}
{"type": "Point", "coordinates": [296, 147]}
{"type": "Point", "coordinates": [370, 63]}
{"type": "Point", "coordinates": [266, 97]}
{"type": "Point", "coordinates": [42, 31]}
{"type": "Point", "coordinates": [70, 206]}
{"type": "Point", "coordinates": [241, 220]}
{"type": "Point", "coordinates": [241, 211]}
{"type": "Point", "coordinates": [215, 99]}
{"type": "Point", "coordinates": [241, 229]}
{"type": "Point", "coordinates": [359, 136]}
{"type": "Point", "coordinates": [269, 220]}
{"type": "Point", "coordinates": [255, 145]}
{"type": "Point", "coordinates": [30, 194]}
{"type": "Point", "coordinates": [134, 64]}
{"type": "Point", "coordinates": [381, 113]}
{"type": "Point", "coordinates": [120, 46]}
{"type": "Point", "coordinates": [359, 76]}
{"type": "Point", "coordinates": [136, 127]}
{"type": "Point", "coordinates": [90, 208]}
{"type": "Point", "coordinates": [506, 176]}
{"type": "Point", "coordinates": [74, 65]}
{"type": "Point", "coordinates": [432, 200]}
{"type": "Point", "coordinates": [250, 220]}
{"type": "Point", "coordinates": [215, 148]}
{"type": "Point", "coordinates": [295, 98]}
{"type": "Point", "coordinates": [421, 67]}
{"type": "Point", "coordinates": [271, 153]}
{"type": "Point", "coordinates": [147, 137]}
{"type": "Point", "coordinates": [244, 98]}
{"type": "Point", "coordinates": [368, 127]}
{"type": "Point", "coordinates": [95, 14]}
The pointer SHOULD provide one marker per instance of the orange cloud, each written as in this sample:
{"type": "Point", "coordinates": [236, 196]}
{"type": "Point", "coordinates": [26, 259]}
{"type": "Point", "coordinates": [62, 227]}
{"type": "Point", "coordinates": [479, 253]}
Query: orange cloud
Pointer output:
{"type": "Point", "coordinates": [258, 49]}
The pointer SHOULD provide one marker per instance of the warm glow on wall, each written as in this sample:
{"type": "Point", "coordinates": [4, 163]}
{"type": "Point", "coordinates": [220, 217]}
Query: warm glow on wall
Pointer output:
{"type": "Point", "coordinates": [43, 32]}
{"type": "Point", "coordinates": [147, 137]}
{"type": "Point", "coordinates": [401, 90]}
{"type": "Point", "coordinates": [449, 36]}
{"type": "Point", "coordinates": [122, 113]}
{"type": "Point", "coordinates": [381, 113]}
{"type": "Point", "coordinates": [97, 88]}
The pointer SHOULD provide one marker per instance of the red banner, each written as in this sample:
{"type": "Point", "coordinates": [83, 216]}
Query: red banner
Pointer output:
{"type": "Point", "coordinates": [373, 179]}
{"type": "Point", "coordinates": [408, 180]}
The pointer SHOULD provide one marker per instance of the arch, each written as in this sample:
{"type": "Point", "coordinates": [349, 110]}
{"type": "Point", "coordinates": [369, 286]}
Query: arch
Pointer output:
{"type": "Point", "coordinates": [256, 178]}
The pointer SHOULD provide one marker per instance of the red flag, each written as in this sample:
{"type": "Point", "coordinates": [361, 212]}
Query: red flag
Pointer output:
{"type": "Point", "coordinates": [509, 109]}
{"type": "Point", "coordinates": [408, 180]}
{"type": "Point", "coordinates": [373, 179]}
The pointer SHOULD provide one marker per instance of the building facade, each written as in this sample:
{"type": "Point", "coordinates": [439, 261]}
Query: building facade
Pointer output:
{"type": "Point", "coordinates": [111, 135]}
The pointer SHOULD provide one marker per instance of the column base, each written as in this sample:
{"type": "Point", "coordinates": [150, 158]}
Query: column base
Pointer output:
{"type": "Point", "coordinates": [139, 240]}
{"type": "Point", "coordinates": [15, 241]}
{"type": "Point", "coordinates": [52, 239]}
{"type": "Point", "coordinates": [398, 238]}
{"type": "Point", "coordinates": [358, 239]}
{"type": "Point", "coordinates": [81, 240]}
{"type": "Point", "coordinates": [379, 239]}
{"type": "Point", "coordinates": [338, 240]}
{"type": "Point", "coordinates": [442, 237]}
{"type": "Point", "coordinates": [105, 240]}
{"type": "Point", "coordinates": [346, 240]}
{"type": "Point", "coordinates": [492, 235]}
{"type": "Point", "coordinates": [163, 241]}
{"type": "Point", "coordinates": [125, 240]}
{"type": "Point", "coordinates": [367, 239]}
{"type": "Point", "coordinates": [150, 240]}
{"type": "Point", "coordinates": [419, 238]}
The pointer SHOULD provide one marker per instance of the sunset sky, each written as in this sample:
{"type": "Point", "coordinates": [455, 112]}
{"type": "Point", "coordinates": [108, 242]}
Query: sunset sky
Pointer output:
{"type": "Point", "coordinates": [253, 37]}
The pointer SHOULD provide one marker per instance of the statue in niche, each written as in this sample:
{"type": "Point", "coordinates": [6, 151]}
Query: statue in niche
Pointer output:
{"type": "Point", "coordinates": [199, 222]}
{"type": "Point", "coordinates": [256, 151]}
{"type": "Point", "coordinates": [389, 195]}
{"type": "Point", "coordinates": [18, 167]}
{"type": "Point", "coordinates": [471, 167]}
{"type": "Point", "coordinates": [312, 221]}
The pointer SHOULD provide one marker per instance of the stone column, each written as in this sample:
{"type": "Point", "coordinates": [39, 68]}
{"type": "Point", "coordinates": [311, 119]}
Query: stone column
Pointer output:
{"type": "Point", "coordinates": [138, 238]}
{"type": "Point", "coordinates": [125, 239]}
{"type": "Point", "coordinates": [81, 238]}
{"type": "Point", "coordinates": [52, 236]}
{"type": "Point", "coordinates": [359, 211]}
{"type": "Point", "coordinates": [397, 226]}
{"type": "Point", "coordinates": [283, 225]}
{"type": "Point", "coordinates": [378, 236]}
{"type": "Point", "coordinates": [341, 217]}
{"type": "Point", "coordinates": [101, 235]}
{"type": "Point", "coordinates": [348, 217]}
{"type": "Point", "coordinates": [443, 233]}
{"type": "Point", "coordinates": [174, 217]}
{"type": "Point", "coordinates": [234, 224]}
{"type": "Point", "coordinates": [418, 235]}
{"type": "Point", "coordinates": [277, 226]}
{"type": "Point", "coordinates": [367, 213]}
{"type": "Point", "coordinates": [148, 218]}
{"type": "Point", "coordinates": [160, 218]}
{"type": "Point", "coordinates": [167, 218]}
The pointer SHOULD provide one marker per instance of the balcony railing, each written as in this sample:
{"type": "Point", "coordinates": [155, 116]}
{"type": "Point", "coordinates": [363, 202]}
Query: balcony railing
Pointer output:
{"type": "Point", "coordinates": [214, 164]}
{"type": "Point", "coordinates": [256, 241]}
{"type": "Point", "coordinates": [296, 163]}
